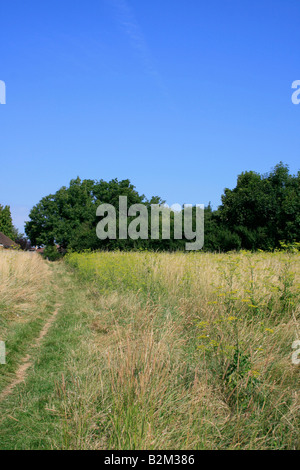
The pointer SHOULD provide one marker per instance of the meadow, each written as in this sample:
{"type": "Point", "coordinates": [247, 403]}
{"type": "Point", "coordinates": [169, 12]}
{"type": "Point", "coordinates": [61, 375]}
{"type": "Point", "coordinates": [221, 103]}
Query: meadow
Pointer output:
{"type": "Point", "coordinates": [161, 351]}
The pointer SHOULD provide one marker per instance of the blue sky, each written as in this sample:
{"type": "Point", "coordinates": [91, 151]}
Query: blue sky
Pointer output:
{"type": "Point", "coordinates": [178, 96]}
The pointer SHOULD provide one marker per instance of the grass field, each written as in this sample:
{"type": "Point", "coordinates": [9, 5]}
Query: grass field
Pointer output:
{"type": "Point", "coordinates": [150, 351]}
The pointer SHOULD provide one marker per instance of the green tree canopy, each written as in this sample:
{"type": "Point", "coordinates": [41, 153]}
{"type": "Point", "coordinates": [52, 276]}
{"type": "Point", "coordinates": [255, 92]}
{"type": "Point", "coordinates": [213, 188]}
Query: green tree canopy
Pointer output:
{"type": "Point", "coordinates": [259, 212]}
{"type": "Point", "coordinates": [263, 209]}
{"type": "Point", "coordinates": [68, 217]}
{"type": "Point", "coordinates": [6, 224]}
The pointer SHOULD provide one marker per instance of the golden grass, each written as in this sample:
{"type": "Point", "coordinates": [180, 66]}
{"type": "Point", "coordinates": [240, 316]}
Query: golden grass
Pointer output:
{"type": "Point", "coordinates": [22, 276]}
{"type": "Point", "coordinates": [194, 350]}
{"type": "Point", "coordinates": [165, 351]}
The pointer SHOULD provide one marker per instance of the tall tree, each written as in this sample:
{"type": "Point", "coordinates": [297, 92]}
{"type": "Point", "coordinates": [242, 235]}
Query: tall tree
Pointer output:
{"type": "Point", "coordinates": [68, 217]}
{"type": "Point", "coordinates": [6, 224]}
{"type": "Point", "coordinates": [263, 209]}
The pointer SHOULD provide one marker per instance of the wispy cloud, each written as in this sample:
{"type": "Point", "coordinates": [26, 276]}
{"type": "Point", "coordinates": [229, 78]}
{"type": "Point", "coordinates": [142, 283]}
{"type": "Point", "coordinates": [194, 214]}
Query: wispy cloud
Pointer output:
{"type": "Point", "coordinates": [127, 20]}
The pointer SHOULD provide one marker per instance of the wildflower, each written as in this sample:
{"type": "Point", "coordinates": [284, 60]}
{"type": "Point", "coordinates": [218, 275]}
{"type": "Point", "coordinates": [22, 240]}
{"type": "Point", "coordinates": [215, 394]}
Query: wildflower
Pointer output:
{"type": "Point", "coordinates": [202, 347]}
{"type": "Point", "coordinates": [202, 324]}
{"type": "Point", "coordinates": [255, 373]}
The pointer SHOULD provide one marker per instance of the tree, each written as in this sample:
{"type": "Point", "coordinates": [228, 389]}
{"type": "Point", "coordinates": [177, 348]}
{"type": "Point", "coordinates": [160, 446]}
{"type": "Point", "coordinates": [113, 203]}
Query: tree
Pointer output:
{"type": "Point", "coordinates": [22, 241]}
{"type": "Point", "coordinates": [68, 217]}
{"type": "Point", "coordinates": [6, 225]}
{"type": "Point", "coordinates": [260, 212]}
{"type": "Point", "coordinates": [263, 209]}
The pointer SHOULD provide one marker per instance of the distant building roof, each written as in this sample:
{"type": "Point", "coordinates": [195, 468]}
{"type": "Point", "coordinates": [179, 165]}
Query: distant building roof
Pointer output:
{"type": "Point", "coordinates": [6, 242]}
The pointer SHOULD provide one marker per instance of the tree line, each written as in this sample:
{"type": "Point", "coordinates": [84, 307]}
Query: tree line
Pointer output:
{"type": "Point", "coordinates": [261, 212]}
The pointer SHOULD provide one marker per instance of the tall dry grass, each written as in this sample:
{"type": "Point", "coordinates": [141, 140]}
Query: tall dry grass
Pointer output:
{"type": "Point", "coordinates": [22, 277]}
{"type": "Point", "coordinates": [194, 351]}
{"type": "Point", "coordinates": [155, 351]}
{"type": "Point", "coordinates": [26, 298]}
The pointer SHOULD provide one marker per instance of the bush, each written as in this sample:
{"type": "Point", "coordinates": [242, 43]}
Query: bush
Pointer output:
{"type": "Point", "coordinates": [51, 253]}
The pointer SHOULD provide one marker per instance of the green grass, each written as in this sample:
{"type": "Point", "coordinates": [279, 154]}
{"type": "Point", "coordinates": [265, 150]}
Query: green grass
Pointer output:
{"type": "Point", "coordinates": [36, 415]}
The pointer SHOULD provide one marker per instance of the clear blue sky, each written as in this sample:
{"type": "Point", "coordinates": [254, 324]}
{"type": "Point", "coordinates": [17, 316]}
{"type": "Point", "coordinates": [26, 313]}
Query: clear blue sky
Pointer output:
{"type": "Point", "coordinates": [178, 96]}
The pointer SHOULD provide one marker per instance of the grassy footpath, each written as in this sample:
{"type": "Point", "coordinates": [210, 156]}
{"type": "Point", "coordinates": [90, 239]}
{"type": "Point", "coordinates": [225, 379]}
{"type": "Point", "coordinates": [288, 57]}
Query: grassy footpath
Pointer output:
{"type": "Point", "coordinates": [156, 351]}
{"type": "Point", "coordinates": [27, 300]}
{"type": "Point", "coordinates": [51, 409]}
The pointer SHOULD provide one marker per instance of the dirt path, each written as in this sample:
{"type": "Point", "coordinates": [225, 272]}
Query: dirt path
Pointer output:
{"type": "Point", "coordinates": [21, 373]}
